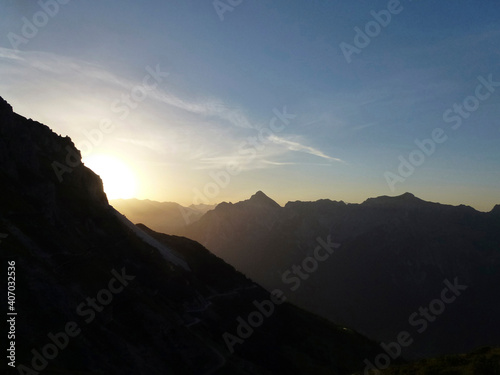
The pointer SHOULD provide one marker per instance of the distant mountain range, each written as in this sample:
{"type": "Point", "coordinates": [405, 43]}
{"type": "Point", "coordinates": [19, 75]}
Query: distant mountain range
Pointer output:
{"type": "Point", "coordinates": [95, 294]}
{"type": "Point", "coordinates": [390, 256]}
{"type": "Point", "coordinates": [164, 217]}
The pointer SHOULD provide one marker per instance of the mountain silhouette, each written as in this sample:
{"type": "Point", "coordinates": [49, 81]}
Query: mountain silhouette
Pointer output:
{"type": "Point", "coordinates": [394, 256]}
{"type": "Point", "coordinates": [98, 294]}
{"type": "Point", "coordinates": [262, 199]}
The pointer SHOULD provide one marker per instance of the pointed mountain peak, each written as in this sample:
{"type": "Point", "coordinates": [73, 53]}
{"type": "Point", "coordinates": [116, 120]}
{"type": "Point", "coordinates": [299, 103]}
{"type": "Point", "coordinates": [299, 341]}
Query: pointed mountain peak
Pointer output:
{"type": "Point", "coordinates": [262, 200]}
{"type": "Point", "coordinates": [259, 195]}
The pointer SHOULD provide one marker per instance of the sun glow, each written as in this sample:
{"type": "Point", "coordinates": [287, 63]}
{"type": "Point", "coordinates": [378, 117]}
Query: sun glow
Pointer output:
{"type": "Point", "coordinates": [118, 179]}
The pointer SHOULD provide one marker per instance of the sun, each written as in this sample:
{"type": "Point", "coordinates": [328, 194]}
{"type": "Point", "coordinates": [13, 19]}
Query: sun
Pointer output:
{"type": "Point", "coordinates": [118, 179]}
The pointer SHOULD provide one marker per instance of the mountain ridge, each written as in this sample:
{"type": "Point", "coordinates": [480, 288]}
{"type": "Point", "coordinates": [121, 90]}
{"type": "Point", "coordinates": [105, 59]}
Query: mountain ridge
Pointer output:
{"type": "Point", "coordinates": [396, 243]}
{"type": "Point", "coordinates": [172, 217]}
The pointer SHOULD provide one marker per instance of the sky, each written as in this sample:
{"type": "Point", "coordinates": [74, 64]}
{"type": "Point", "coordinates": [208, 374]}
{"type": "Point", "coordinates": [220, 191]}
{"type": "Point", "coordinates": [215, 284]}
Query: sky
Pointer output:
{"type": "Point", "coordinates": [210, 101]}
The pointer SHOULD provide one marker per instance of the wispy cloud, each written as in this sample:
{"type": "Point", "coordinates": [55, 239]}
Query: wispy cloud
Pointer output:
{"type": "Point", "coordinates": [364, 126]}
{"type": "Point", "coordinates": [279, 164]}
{"type": "Point", "coordinates": [208, 107]}
{"type": "Point", "coordinates": [296, 146]}
{"type": "Point", "coordinates": [58, 68]}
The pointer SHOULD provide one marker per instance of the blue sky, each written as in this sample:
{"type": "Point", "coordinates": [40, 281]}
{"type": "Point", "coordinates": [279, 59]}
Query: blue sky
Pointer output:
{"type": "Point", "coordinates": [349, 124]}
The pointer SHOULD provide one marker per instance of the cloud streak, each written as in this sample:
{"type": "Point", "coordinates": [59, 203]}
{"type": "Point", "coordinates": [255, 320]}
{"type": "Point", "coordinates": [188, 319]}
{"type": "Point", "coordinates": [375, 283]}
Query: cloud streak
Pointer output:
{"type": "Point", "coordinates": [60, 69]}
{"type": "Point", "coordinates": [296, 146]}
